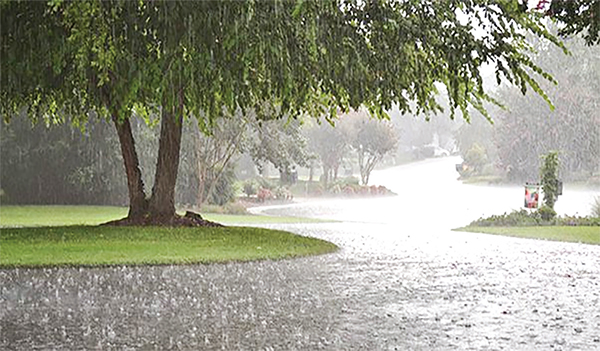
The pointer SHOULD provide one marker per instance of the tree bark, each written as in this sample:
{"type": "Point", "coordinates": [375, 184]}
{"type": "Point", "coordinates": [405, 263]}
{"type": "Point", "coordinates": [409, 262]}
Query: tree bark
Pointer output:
{"type": "Point", "coordinates": [138, 204]}
{"type": "Point", "coordinates": [162, 201]}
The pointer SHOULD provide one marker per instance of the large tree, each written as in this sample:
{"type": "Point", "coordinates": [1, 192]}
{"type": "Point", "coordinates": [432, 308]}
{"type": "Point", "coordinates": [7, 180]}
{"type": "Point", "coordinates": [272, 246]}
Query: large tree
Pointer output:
{"type": "Point", "coordinates": [183, 58]}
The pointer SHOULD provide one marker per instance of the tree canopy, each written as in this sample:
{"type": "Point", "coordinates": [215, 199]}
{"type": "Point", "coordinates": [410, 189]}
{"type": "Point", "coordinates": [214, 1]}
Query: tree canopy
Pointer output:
{"type": "Point", "coordinates": [197, 58]}
{"type": "Point", "coordinates": [302, 54]}
{"type": "Point", "coordinates": [577, 16]}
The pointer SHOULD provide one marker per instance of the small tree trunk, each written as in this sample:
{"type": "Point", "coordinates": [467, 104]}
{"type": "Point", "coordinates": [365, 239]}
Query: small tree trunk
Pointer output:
{"type": "Point", "coordinates": [162, 202]}
{"type": "Point", "coordinates": [201, 195]}
{"type": "Point", "coordinates": [284, 176]}
{"type": "Point", "coordinates": [325, 176]}
{"type": "Point", "coordinates": [138, 204]}
{"type": "Point", "coordinates": [200, 173]}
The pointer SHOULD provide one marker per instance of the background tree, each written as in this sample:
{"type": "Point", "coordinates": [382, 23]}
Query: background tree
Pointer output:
{"type": "Point", "coordinates": [476, 157]}
{"type": "Point", "coordinates": [528, 128]}
{"type": "Point", "coordinates": [372, 140]}
{"type": "Point", "coordinates": [577, 16]}
{"type": "Point", "coordinates": [331, 144]}
{"type": "Point", "coordinates": [281, 143]}
{"type": "Point", "coordinates": [215, 155]}
{"type": "Point", "coordinates": [195, 57]}
{"type": "Point", "coordinates": [475, 143]}
{"type": "Point", "coordinates": [549, 178]}
{"type": "Point", "coordinates": [60, 165]}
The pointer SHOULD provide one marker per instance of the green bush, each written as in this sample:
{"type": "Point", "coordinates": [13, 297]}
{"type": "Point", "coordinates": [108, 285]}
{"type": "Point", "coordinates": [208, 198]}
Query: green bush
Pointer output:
{"type": "Point", "coordinates": [523, 218]}
{"type": "Point", "coordinates": [266, 183]}
{"type": "Point", "coordinates": [250, 187]}
{"type": "Point", "coordinates": [235, 208]}
{"type": "Point", "coordinates": [515, 218]}
{"type": "Point", "coordinates": [476, 157]}
{"type": "Point", "coordinates": [282, 193]}
{"type": "Point", "coordinates": [224, 190]}
{"type": "Point", "coordinates": [578, 221]}
{"type": "Point", "coordinates": [232, 208]}
{"type": "Point", "coordinates": [546, 213]}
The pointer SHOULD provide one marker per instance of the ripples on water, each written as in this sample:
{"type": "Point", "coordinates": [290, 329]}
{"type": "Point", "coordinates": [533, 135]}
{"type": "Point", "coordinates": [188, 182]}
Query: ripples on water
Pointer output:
{"type": "Point", "coordinates": [401, 280]}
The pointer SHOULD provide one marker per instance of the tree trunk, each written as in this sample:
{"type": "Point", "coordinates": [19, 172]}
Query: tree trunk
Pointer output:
{"type": "Point", "coordinates": [138, 204]}
{"type": "Point", "coordinates": [325, 176]}
{"type": "Point", "coordinates": [336, 168]}
{"type": "Point", "coordinates": [162, 202]}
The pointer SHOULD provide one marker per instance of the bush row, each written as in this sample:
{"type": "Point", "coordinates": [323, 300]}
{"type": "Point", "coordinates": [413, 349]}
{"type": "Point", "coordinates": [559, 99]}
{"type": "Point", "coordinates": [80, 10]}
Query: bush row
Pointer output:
{"type": "Point", "coordinates": [545, 216]}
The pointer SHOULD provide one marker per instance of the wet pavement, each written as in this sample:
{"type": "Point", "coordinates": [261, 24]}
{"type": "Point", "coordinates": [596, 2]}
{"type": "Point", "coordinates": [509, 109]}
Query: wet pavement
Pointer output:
{"type": "Point", "coordinates": [401, 281]}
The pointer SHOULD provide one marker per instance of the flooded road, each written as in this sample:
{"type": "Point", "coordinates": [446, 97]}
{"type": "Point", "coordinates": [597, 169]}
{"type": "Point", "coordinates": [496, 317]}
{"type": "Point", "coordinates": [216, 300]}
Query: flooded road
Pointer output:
{"type": "Point", "coordinates": [401, 281]}
{"type": "Point", "coordinates": [430, 196]}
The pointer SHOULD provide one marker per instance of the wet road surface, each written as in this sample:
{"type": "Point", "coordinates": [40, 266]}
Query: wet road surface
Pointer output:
{"type": "Point", "coordinates": [401, 281]}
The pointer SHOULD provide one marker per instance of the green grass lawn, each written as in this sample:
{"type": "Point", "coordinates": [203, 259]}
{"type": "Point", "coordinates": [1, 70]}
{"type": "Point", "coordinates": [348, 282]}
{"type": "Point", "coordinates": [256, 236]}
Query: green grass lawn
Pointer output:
{"type": "Point", "coordinates": [93, 245]}
{"type": "Point", "coordinates": [42, 236]}
{"type": "Point", "coordinates": [581, 234]}
{"type": "Point", "coordinates": [43, 216]}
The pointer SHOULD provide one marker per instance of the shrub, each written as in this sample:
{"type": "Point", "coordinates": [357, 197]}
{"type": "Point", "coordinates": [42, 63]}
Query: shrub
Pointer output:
{"type": "Point", "coordinates": [250, 187]}
{"type": "Point", "coordinates": [546, 213]}
{"type": "Point", "coordinates": [578, 221]}
{"type": "Point", "coordinates": [515, 218]}
{"type": "Point", "coordinates": [266, 183]}
{"type": "Point", "coordinates": [549, 178]}
{"type": "Point", "coordinates": [476, 157]}
{"type": "Point", "coordinates": [232, 208]}
{"type": "Point", "coordinates": [544, 216]}
{"type": "Point", "coordinates": [224, 190]}
{"type": "Point", "coordinates": [282, 193]}
{"type": "Point", "coordinates": [235, 208]}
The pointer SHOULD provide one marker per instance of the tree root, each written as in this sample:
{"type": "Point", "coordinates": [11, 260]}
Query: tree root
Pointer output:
{"type": "Point", "coordinates": [190, 219]}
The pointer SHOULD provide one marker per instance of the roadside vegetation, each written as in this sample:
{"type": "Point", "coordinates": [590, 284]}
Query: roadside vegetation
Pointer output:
{"type": "Point", "coordinates": [524, 218]}
{"type": "Point", "coordinates": [537, 225]}
{"type": "Point", "coordinates": [542, 222]}
{"type": "Point", "coordinates": [42, 236]}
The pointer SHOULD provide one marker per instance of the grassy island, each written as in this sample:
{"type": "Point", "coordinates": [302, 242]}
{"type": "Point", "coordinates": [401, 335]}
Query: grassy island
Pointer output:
{"type": "Point", "coordinates": [540, 224]}
{"type": "Point", "coordinates": [40, 236]}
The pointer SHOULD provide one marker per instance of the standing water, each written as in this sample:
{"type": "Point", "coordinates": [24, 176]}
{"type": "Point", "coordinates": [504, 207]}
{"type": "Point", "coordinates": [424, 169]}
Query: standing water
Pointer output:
{"type": "Point", "coordinates": [430, 196]}
{"type": "Point", "coordinates": [401, 281]}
